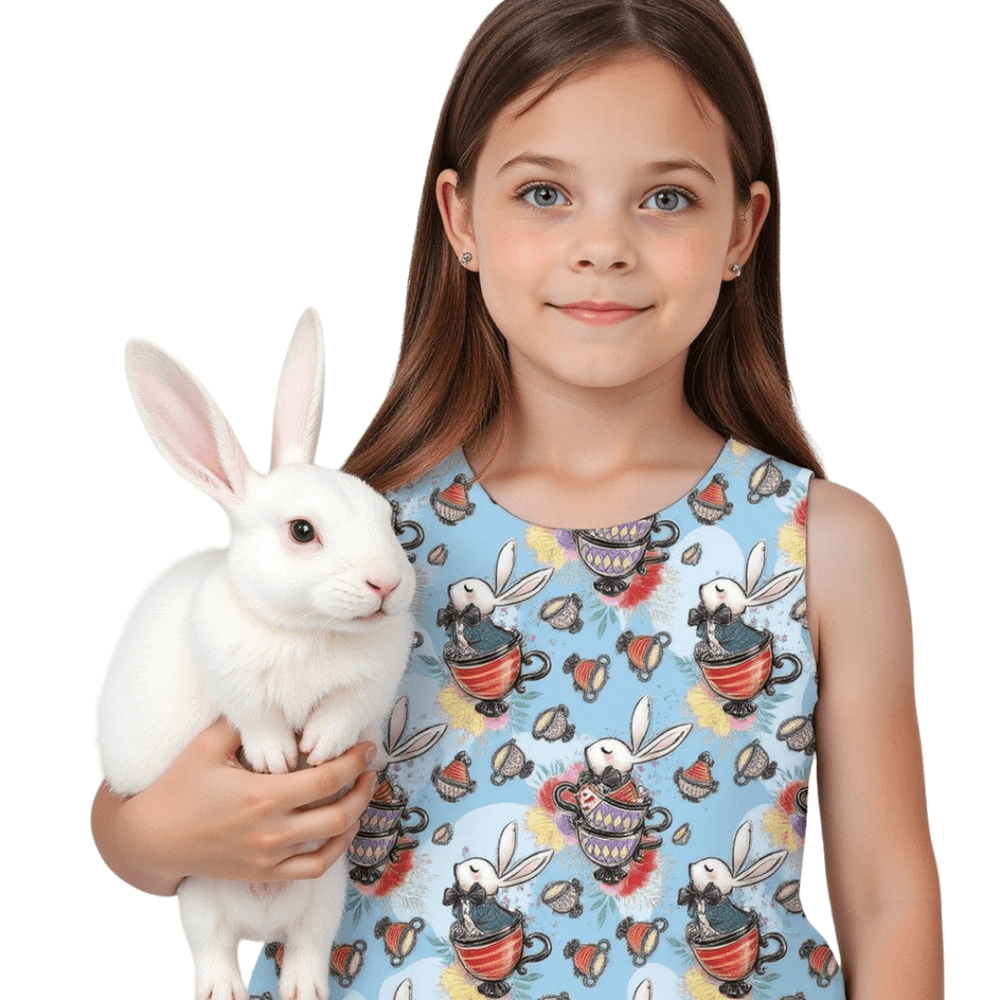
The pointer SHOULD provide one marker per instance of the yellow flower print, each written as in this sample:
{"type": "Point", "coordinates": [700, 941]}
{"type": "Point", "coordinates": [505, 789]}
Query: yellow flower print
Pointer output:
{"type": "Point", "coordinates": [461, 713]}
{"type": "Point", "coordinates": [454, 980]}
{"type": "Point", "coordinates": [708, 712]}
{"type": "Point", "coordinates": [699, 985]}
{"type": "Point", "coordinates": [792, 541]}
{"type": "Point", "coordinates": [543, 826]}
{"type": "Point", "coordinates": [545, 546]}
{"type": "Point", "coordinates": [739, 449]}
{"type": "Point", "coordinates": [779, 826]}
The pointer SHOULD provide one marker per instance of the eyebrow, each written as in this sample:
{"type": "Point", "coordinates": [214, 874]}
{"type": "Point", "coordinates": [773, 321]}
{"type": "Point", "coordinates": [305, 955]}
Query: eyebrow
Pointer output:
{"type": "Point", "coordinates": [655, 167]}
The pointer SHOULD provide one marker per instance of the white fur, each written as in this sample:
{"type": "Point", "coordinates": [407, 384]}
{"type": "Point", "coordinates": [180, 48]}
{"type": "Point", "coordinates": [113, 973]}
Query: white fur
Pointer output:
{"type": "Point", "coordinates": [272, 633]}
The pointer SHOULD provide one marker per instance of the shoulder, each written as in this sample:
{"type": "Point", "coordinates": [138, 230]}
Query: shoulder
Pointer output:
{"type": "Point", "coordinates": [854, 570]}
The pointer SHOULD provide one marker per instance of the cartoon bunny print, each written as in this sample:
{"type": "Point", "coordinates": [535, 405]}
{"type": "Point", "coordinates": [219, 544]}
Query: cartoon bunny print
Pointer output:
{"type": "Point", "coordinates": [472, 601]}
{"type": "Point", "coordinates": [382, 835]}
{"type": "Point", "coordinates": [724, 601]}
{"type": "Point", "coordinates": [611, 812]}
{"type": "Point", "coordinates": [485, 659]}
{"type": "Point", "coordinates": [736, 660]}
{"type": "Point", "coordinates": [489, 939]}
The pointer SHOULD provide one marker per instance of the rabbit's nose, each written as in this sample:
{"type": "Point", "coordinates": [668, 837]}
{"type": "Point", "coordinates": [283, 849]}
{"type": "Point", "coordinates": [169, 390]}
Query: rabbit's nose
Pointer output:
{"type": "Point", "coordinates": [383, 586]}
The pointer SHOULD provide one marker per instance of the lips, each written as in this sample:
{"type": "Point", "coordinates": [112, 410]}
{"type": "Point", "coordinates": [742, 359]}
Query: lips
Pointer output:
{"type": "Point", "coordinates": [600, 313]}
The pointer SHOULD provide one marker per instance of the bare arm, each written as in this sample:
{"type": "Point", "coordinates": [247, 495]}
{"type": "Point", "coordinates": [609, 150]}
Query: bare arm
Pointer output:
{"type": "Point", "coordinates": [880, 864]}
{"type": "Point", "coordinates": [208, 816]}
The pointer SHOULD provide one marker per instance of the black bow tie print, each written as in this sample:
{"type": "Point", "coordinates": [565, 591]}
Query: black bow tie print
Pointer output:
{"type": "Point", "coordinates": [689, 896]}
{"type": "Point", "coordinates": [471, 615]}
{"type": "Point", "coordinates": [721, 615]}
{"type": "Point", "coordinates": [476, 895]}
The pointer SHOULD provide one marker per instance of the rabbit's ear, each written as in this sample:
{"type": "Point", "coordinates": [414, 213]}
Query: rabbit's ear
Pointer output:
{"type": "Point", "coordinates": [640, 721]}
{"type": "Point", "coordinates": [419, 743]}
{"type": "Point", "coordinates": [397, 721]}
{"type": "Point", "coordinates": [741, 845]}
{"type": "Point", "coordinates": [663, 744]}
{"type": "Point", "coordinates": [755, 564]}
{"type": "Point", "coordinates": [505, 564]}
{"type": "Point", "coordinates": [776, 587]}
{"type": "Point", "coordinates": [527, 869]}
{"type": "Point", "coordinates": [644, 991]}
{"type": "Point", "coordinates": [760, 870]}
{"type": "Point", "coordinates": [404, 991]}
{"type": "Point", "coordinates": [525, 588]}
{"type": "Point", "coordinates": [506, 847]}
{"type": "Point", "coordinates": [186, 424]}
{"type": "Point", "coordinates": [298, 410]}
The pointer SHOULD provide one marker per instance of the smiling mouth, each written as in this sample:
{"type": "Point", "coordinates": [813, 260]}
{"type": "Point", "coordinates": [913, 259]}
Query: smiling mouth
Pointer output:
{"type": "Point", "coordinates": [601, 314]}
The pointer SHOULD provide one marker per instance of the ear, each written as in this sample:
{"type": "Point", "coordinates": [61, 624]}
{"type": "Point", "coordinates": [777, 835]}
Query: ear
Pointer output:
{"type": "Point", "coordinates": [506, 847]}
{"type": "Point", "coordinates": [298, 410]}
{"type": "Point", "coordinates": [397, 721]}
{"type": "Point", "coordinates": [527, 869]}
{"type": "Point", "coordinates": [760, 870]}
{"type": "Point", "coordinates": [666, 742]}
{"type": "Point", "coordinates": [505, 564]}
{"type": "Point", "coordinates": [185, 423]}
{"type": "Point", "coordinates": [755, 564]}
{"type": "Point", "coordinates": [778, 587]}
{"type": "Point", "coordinates": [741, 845]}
{"type": "Point", "coordinates": [456, 216]}
{"type": "Point", "coordinates": [525, 588]}
{"type": "Point", "coordinates": [640, 721]}
{"type": "Point", "coordinates": [747, 224]}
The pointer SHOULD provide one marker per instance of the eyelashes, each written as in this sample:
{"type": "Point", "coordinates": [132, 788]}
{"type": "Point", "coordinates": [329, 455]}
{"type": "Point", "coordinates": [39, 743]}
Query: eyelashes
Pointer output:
{"type": "Point", "coordinates": [679, 199]}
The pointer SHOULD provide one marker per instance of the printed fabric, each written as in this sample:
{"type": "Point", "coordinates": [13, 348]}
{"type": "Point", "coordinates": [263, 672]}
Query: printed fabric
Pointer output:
{"type": "Point", "coordinates": [598, 758]}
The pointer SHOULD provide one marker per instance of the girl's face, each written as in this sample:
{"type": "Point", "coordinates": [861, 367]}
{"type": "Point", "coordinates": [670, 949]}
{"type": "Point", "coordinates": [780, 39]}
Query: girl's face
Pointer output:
{"type": "Point", "coordinates": [615, 188]}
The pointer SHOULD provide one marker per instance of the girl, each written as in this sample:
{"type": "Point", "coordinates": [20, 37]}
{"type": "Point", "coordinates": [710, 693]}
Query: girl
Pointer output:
{"type": "Point", "coordinates": [617, 801]}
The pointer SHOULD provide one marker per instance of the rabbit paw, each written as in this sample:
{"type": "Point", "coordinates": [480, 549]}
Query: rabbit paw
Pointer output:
{"type": "Point", "coordinates": [323, 737]}
{"type": "Point", "coordinates": [301, 983]}
{"type": "Point", "coordinates": [275, 753]}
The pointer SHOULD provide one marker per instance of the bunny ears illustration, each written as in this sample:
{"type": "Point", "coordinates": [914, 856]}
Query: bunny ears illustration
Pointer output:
{"type": "Point", "coordinates": [192, 433]}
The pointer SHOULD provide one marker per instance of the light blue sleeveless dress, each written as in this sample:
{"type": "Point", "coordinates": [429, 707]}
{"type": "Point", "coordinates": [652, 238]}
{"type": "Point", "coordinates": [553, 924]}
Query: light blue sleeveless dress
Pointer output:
{"type": "Point", "coordinates": [600, 756]}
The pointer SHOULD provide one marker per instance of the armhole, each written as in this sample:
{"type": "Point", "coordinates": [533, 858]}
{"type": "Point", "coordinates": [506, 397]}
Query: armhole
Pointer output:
{"type": "Point", "coordinates": [806, 579]}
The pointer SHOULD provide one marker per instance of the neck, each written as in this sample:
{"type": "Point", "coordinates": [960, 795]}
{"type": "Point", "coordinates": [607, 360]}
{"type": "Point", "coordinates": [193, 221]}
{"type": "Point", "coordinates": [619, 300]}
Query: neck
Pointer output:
{"type": "Point", "coordinates": [589, 434]}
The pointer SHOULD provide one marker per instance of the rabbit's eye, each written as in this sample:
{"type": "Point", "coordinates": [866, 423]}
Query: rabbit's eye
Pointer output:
{"type": "Point", "coordinates": [302, 531]}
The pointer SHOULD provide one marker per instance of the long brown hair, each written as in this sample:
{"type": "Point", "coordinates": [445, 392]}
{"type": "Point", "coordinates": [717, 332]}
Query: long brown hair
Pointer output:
{"type": "Point", "coordinates": [453, 377]}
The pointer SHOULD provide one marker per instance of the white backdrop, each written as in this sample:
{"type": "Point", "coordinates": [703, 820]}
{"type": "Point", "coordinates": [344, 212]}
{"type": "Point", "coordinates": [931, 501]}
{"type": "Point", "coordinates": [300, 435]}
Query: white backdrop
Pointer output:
{"type": "Point", "coordinates": [198, 173]}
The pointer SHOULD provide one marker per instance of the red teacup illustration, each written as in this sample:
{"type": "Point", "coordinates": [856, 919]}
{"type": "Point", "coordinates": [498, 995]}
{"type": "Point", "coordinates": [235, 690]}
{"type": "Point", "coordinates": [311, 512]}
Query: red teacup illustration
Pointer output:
{"type": "Point", "coordinates": [743, 675]}
{"type": "Point", "coordinates": [732, 957]}
{"type": "Point", "coordinates": [491, 676]}
{"type": "Point", "coordinates": [492, 958]}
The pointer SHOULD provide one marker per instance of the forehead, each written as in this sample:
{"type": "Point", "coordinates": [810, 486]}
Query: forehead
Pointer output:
{"type": "Point", "coordinates": [634, 108]}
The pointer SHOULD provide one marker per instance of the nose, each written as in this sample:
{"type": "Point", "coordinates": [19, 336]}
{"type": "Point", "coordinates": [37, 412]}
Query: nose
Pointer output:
{"type": "Point", "coordinates": [383, 586]}
{"type": "Point", "coordinates": [602, 242]}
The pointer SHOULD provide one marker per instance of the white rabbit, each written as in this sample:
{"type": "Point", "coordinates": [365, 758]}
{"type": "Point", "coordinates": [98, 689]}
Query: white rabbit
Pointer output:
{"type": "Point", "coordinates": [715, 872]}
{"type": "Point", "coordinates": [477, 593]}
{"type": "Point", "coordinates": [479, 871]}
{"type": "Point", "coordinates": [612, 753]}
{"type": "Point", "coordinates": [738, 597]}
{"type": "Point", "coordinates": [301, 626]}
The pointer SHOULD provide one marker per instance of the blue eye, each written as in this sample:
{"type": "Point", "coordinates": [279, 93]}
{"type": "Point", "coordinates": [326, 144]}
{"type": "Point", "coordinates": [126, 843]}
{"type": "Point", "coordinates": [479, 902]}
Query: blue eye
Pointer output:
{"type": "Point", "coordinates": [545, 202]}
{"type": "Point", "coordinates": [671, 199]}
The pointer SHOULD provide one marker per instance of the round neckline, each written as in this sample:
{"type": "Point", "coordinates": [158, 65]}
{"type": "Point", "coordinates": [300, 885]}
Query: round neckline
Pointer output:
{"type": "Point", "coordinates": [700, 484]}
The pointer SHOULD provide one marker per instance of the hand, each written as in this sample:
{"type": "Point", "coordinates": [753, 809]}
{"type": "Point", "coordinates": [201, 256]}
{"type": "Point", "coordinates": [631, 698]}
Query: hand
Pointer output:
{"type": "Point", "coordinates": [208, 816]}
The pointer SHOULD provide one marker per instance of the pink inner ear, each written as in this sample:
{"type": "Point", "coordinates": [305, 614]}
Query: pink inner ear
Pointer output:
{"type": "Point", "coordinates": [299, 407]}
{"type": "Point", "coordinates": [190, 430]}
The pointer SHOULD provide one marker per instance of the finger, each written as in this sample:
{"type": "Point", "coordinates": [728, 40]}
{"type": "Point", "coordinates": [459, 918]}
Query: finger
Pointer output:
{"type": "Point", "coordinates": [330, 820]}
{"type": "Point", "coordinates": [313, 784]}
{"type": "Point", "coordinates": [315, 863]}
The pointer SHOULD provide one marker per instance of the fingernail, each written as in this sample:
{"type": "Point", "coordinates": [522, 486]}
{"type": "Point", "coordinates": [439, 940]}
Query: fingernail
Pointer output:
{"type": "Point", "coordinates": [370, 751]}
